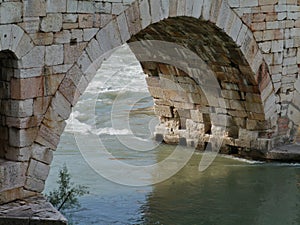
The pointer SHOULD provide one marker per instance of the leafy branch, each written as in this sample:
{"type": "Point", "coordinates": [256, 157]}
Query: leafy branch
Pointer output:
{"type": "Point", "coordinates": [66, 196]}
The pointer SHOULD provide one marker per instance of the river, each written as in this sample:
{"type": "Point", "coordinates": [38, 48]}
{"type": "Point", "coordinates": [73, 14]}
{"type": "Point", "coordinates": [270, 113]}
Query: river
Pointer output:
{"type": "Point", "coordinates": [230, 192]}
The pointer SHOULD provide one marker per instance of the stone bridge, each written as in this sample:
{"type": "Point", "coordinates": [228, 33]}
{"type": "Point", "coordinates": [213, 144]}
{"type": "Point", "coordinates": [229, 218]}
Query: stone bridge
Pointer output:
{"type": "Point", "coordinates": [51, 49]}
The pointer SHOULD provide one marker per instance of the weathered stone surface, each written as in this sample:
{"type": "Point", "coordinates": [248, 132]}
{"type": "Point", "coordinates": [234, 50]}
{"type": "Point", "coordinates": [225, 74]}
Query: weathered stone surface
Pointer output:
{"type": "Point", "coordinates": [22, 137]}
{"type": "Point", "coordinates": [18, 154]}
{"type": "Point", "coordinates": [42, 38]}
{"type": "Point", "coordinates": [22, 108]}
{"type": "Point", "coordinates": [21, 211]}
{"type": "Point", "coordinates": [10, 12]}
{"type": "Point", "coordinates": [42, 153]}
{"type": "Point", "coordinates": [12, 175]}
{"type": "Point", "coordinates": [35, 58]}
{"type": "Point", "coordinates": [72, 52]}
{"type": "Point", "coordinates": [34, 8]}
{"type": "Point", "coordinates": [38, 170]}
{"type": "Point", "coordinates": [52, 23]}
{"type": "Point", "coordinates": [27, 88]}
{"type": "Point", "coordinates": [54, 6]}
{"type": "Point", "coordinates": [54, 55]}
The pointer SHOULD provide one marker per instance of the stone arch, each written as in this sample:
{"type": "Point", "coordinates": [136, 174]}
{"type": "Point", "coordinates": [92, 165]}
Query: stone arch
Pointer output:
{"type": "Point", "coordinates": [140, 15]}
{"type": "Point", "coordinates": [14, 152]}
{"type": "Point", "coordinates": [143, 14]}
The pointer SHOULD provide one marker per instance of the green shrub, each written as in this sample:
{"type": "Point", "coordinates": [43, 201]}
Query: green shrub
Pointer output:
{"type": "Point", "coordinates": [66, 196]}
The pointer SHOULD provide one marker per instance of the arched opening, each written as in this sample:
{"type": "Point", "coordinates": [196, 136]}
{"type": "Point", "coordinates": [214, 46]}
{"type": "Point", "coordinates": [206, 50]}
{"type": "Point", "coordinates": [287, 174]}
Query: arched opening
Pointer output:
{"type": "Point", "coordinates": [185, 112]}
{"type": "Point", "coordinates": [8, 66]}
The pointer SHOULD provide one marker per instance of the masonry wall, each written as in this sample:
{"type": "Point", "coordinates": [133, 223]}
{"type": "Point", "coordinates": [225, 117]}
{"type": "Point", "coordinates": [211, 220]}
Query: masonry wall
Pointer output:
{"type": "Point", "coordinates": [276, 28]}
{"type": "Point", "coordinates": [55, 48]}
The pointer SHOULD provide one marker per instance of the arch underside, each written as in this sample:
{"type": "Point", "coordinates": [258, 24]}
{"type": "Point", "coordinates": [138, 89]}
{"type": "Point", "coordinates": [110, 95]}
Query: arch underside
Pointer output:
{"type": "Point", "coordinates": [185, 106]}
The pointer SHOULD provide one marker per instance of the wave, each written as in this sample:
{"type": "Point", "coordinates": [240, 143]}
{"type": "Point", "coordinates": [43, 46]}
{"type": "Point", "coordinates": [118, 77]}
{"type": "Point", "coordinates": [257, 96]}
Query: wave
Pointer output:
{"type": "Point", "coordinates": [76, 126]}
{"type": "Point", "coordinates": [111, 131]}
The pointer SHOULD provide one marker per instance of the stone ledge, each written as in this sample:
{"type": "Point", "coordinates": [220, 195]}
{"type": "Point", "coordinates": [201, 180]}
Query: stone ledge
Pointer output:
{"type": "Point", "coordinates": [287, 153]}
{"type": "Point", "coordinates": [30, 211]}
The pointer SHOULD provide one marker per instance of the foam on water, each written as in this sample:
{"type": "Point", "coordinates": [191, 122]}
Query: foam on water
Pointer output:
{"type": "Point", "coordinates": [119, 74]}
{"type": "Point", "coordinates": [111, 131]}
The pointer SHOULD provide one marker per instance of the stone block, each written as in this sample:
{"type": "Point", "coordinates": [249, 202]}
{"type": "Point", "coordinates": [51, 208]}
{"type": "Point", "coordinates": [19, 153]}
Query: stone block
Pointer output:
{"type": "Point", "coordinates": [10, 12]}
{"type": "Point", "coordinates": [54, 55]}
{"type": "Point", "coordinates": [145, 13]}
{"type": "Point", "coordinates": [33, 184]}
{"type": "Point", "coordinates": [102, 19]}
{"type": "Point", "coordinates": [77, 35]}
{"type": "Point", "coordinates": [24, 46]}
{"type": "Point", "coordinates": [22, 89]}
{"type": "Point", "coordinates": [22, 137]}
{"type": "Point", "coordinates": [42, 153]}
{"type": "Point", "coordinates": [18, 154]}
{"type": "Point", "coordinates": [20, 108]}
{"type": "Point", "coordinates": [55, 6]}
{"type": "Point", "coordinates": [206, 9]}
{"type": "Point", "coordinates": [30, 25]}
{"type": "Point", "coordinates": [197, 8]}
{"type": "Point", "coordinates": [117, 8]}
{"type": "Point", "coordinates": [277, 46]}
{"type": "Point", "coordinates": [69, 90]}
{"type": "Point", "coordinates": [177, 96]}
{"type": "Point", "coordinates": [52, 23]}
{"type": "Point", "coordinates": [77, 78]}
{"type": "Point", "coordinates": [57, 127]}
{"type": "Point", "coordinates": [69, 26]}
{"type": "Point", "coordinates": [61, 105]}
{"type": "Point", "coordinates": [70, 18]}
{"type": "Point", "coordinates": [38, 170]}
{"type": "Point", "coordinates": [196, 116]}
{"type": "Point", "coordinates": [189, 7]}
{"type": "Point", "coordinates": [94, 50]}
{"type": "Point", "coordinates": [89, 33]}
{"type": "Point", "coordinates": [42, 38]}
{"type": "Point", "coordinates": [51, 84]}
{"type": "Point", "coordinates": [34, 8]}
{"type": "Point", "coordinates": [111, 31]}
{"type": "Point", "coordinates": [156, 12]}
{"type": "Point", "coordinates": [235, 28]}
{"type": "Point", "coordinates": [248, 3]}
{"type": "Point", "coordinates": [40, 105]}
{"type": "Point", "coordinates": [72, 6]}
{"type": "Point", "coordinates": [10, 37]}
{"type": "Point", "coordinates": [86, 64]}
{"type": "Point", "coordinates": [133, 18]}
{"type": "Point", "coordinates": [164, 111]}
{"type": "Point", "coordinates": [61, 69]}
{"type": "Point", "coordinates": [237, 105]}
{"type": "Point", "coordinates": [254, 107]}
{"type": "Point", "coordinates": [34, 59]}
{"type": "Point", "coordinates": [12, 175]}
{"type": "Point", "coordinates": [47, 138]}
{"type": "Point", "coordinates": [216, 7]}
{"type": "Point", "coordinates": [294, 114]}
{"type": "Point", "coordinates": [62, 37]}
{"type": "Point", "coordinates": [72, 52]}
{"type": "Point", "coordinates": [123, 27]}
{"type": "Point", "coordinates": [23, 123]}
{"type": "Point", "coordinates": [228, 94]}
{"type": "Point", "coordinates": [86, 7]}
{"type": "Point", "coordinates": [85, 20]}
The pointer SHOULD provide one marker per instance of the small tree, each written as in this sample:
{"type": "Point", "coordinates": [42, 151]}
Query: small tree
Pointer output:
{"type": "Point", "coordinates": [65, 197]}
